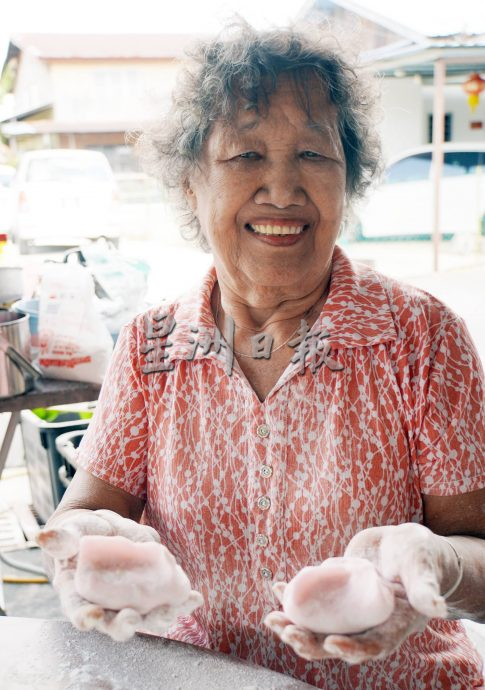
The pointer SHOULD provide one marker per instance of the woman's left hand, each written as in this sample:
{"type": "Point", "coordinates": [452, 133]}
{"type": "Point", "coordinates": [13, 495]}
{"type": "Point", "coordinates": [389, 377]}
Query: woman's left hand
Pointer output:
{"type": "Point", "coordinates": [413, 559]}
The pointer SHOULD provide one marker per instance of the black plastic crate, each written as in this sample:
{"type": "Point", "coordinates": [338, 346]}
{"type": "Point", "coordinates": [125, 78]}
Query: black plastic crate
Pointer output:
{"type": "Point", "coordinates": [41, 455]}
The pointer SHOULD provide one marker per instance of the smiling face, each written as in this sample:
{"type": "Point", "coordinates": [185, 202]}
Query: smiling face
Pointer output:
{"type": "Point", "coordinates": [269, 195]}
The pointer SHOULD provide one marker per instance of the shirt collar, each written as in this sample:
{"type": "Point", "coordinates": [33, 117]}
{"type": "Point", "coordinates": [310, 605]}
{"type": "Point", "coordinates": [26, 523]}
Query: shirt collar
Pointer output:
{"type": "Point", "coordinates": [357, 311]}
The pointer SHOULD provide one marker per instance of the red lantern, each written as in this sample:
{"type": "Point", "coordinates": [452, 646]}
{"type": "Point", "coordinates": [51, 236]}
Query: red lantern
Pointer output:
{"type": "Point", "coordinates": [474, 86]}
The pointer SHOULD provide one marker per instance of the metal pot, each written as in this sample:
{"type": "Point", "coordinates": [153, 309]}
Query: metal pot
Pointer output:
{"type": "Point", "coordinates": [17, 374]}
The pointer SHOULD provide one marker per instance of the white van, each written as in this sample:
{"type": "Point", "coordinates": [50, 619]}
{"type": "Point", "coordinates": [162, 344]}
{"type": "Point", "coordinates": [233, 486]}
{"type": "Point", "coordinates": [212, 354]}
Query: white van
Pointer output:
{"type": "Point", "coordinates": [63, 197]}
{"type": "Point", "coordinates": [402, 207]}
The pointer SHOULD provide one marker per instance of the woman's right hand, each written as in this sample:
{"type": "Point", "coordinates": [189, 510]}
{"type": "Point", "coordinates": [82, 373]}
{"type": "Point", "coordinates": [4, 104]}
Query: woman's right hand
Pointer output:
{"type": "Point", "coordinates": [61, 542]}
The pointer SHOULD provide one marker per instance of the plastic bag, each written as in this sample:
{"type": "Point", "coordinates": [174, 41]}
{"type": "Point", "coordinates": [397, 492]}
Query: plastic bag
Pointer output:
{"type": "Point", "coordinates": [120, 282]}
{"type": "Point", "coordinates": [74, 343]}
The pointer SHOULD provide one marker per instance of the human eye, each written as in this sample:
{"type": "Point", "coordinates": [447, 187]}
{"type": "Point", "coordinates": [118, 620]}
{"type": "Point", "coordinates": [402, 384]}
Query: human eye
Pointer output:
{"type": "Point", "coordinates": [311, 155]}
{"type": "Point", "coordinates": [249, 155]}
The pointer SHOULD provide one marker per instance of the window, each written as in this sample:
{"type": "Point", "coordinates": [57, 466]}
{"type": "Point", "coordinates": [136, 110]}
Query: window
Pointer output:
{"type": "Point", "coordinates": [459, 163]}
{"type": "Point", "coordinates": [68, 169]}
{"type": "Point", "coordinates": [448, 125]}
{"type": "Point", "coordinates": [410, 169]}
{"type": "Point", "coordinates": [121, 157]}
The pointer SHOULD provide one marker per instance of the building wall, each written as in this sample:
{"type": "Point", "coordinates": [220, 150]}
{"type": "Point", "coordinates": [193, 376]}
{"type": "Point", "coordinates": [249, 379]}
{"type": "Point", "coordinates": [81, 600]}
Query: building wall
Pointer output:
{"type": "Point", "coordinates": [34, 142]}
{"type": "Point", "coordinates": [111, 90]}
{"type": "Point", "coordinates": [402, 125]}
{"type": "Point", "coordinates": [407, 105]}
{"type": "Point", "coordinates": [33, 86]}
{"type": "Point", "coordinates": [456, 103]}
{"type": "Point", "coordinates": [91, 140]}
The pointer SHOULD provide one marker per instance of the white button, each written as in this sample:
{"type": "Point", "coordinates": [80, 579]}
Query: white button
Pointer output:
{"type": "Point", "coordinates": [262, 540]}
{"type": "Point", "coordinates": [266, 573]}
{"type": "Point", "coordinates": [263, 430]}
{"type": "Point", "coordinates": [266, 471]}
{"type": "Point", "coordinates": [264, 502]}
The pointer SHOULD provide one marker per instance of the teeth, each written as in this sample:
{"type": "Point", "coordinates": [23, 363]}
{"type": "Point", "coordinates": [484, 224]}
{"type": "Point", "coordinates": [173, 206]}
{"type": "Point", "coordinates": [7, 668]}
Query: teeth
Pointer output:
{"type": "Point", "coordinates": [278, 229]}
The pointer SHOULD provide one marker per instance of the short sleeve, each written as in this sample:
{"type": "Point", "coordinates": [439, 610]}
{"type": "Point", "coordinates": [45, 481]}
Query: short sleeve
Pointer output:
{"type": "Point", "coordinates": [451, 439]}
{"type": "Point", "coordinates": [114, 447]}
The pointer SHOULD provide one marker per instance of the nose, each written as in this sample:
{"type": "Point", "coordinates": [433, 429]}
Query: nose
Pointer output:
{"type": "Point", "coordinates": [281, 186]}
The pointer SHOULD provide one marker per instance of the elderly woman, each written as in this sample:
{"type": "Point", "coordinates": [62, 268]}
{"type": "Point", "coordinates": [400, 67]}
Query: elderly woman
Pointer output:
{"type": "Point", "coordinates": [295, 406]}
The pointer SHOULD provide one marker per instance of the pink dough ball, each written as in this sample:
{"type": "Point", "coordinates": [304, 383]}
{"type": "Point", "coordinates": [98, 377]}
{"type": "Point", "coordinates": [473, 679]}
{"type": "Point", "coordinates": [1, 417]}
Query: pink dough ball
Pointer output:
{"type": "Point", "coordinates": [340, 596]}
{"type": "Point", "coordinates": [117, 573]}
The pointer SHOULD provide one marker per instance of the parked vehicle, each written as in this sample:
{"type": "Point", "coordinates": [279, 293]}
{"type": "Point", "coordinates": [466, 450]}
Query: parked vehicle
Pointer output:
{"type": "Point", "coordinates": [7, 174]}
{"type": "Point", "coordinates": [402, 207]}
{"type": "Point", "coordinates": [62, 198]}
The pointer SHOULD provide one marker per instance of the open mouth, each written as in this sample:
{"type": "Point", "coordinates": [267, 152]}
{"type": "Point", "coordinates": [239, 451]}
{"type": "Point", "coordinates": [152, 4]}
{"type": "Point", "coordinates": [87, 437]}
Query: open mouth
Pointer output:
{"type": "Point", "coordinates": [277, 230]}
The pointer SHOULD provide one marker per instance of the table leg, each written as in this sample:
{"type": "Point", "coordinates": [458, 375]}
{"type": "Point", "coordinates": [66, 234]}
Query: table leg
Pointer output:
{"type": "Point", "coordinates": [7, 439]}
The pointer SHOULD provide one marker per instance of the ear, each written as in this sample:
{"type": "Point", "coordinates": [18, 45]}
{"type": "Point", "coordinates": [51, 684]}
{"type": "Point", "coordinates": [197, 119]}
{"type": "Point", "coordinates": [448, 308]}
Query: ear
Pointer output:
{"type": "Point", "coordinates": [190, 196]}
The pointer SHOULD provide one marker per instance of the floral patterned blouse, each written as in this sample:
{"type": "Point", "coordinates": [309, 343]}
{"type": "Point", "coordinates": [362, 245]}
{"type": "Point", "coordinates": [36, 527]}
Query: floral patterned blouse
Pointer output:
{"type": "Point", "coordinates": [245, 493]}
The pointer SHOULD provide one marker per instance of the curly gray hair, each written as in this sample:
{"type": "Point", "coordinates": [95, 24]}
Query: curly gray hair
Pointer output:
{"type": "Point", "coordinates": [245, 66]}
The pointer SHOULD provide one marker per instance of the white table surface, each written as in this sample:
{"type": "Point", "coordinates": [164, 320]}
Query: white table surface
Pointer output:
{"type": "Point", "coordinates": [37, 654]}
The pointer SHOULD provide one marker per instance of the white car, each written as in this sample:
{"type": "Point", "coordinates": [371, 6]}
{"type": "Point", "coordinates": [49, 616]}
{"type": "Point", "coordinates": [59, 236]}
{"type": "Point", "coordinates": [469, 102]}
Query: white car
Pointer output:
{"type": "Point", "coordinates": [62, 198]}
{"type": "Point", "coordinates": [402, 207]}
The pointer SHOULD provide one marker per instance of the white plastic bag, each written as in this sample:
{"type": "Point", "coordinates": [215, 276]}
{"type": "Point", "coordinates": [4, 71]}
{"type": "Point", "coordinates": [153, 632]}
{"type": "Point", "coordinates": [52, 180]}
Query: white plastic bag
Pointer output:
{"type": "Point", "coordinates": [74, 343]}
{"type": "Point", "coordinates": [121, 282]}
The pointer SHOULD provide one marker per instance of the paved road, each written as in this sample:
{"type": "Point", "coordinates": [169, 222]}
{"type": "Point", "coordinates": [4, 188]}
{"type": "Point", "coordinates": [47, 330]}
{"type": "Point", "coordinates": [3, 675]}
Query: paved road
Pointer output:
{"type": "Point", "coordinates": [460, 282]}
